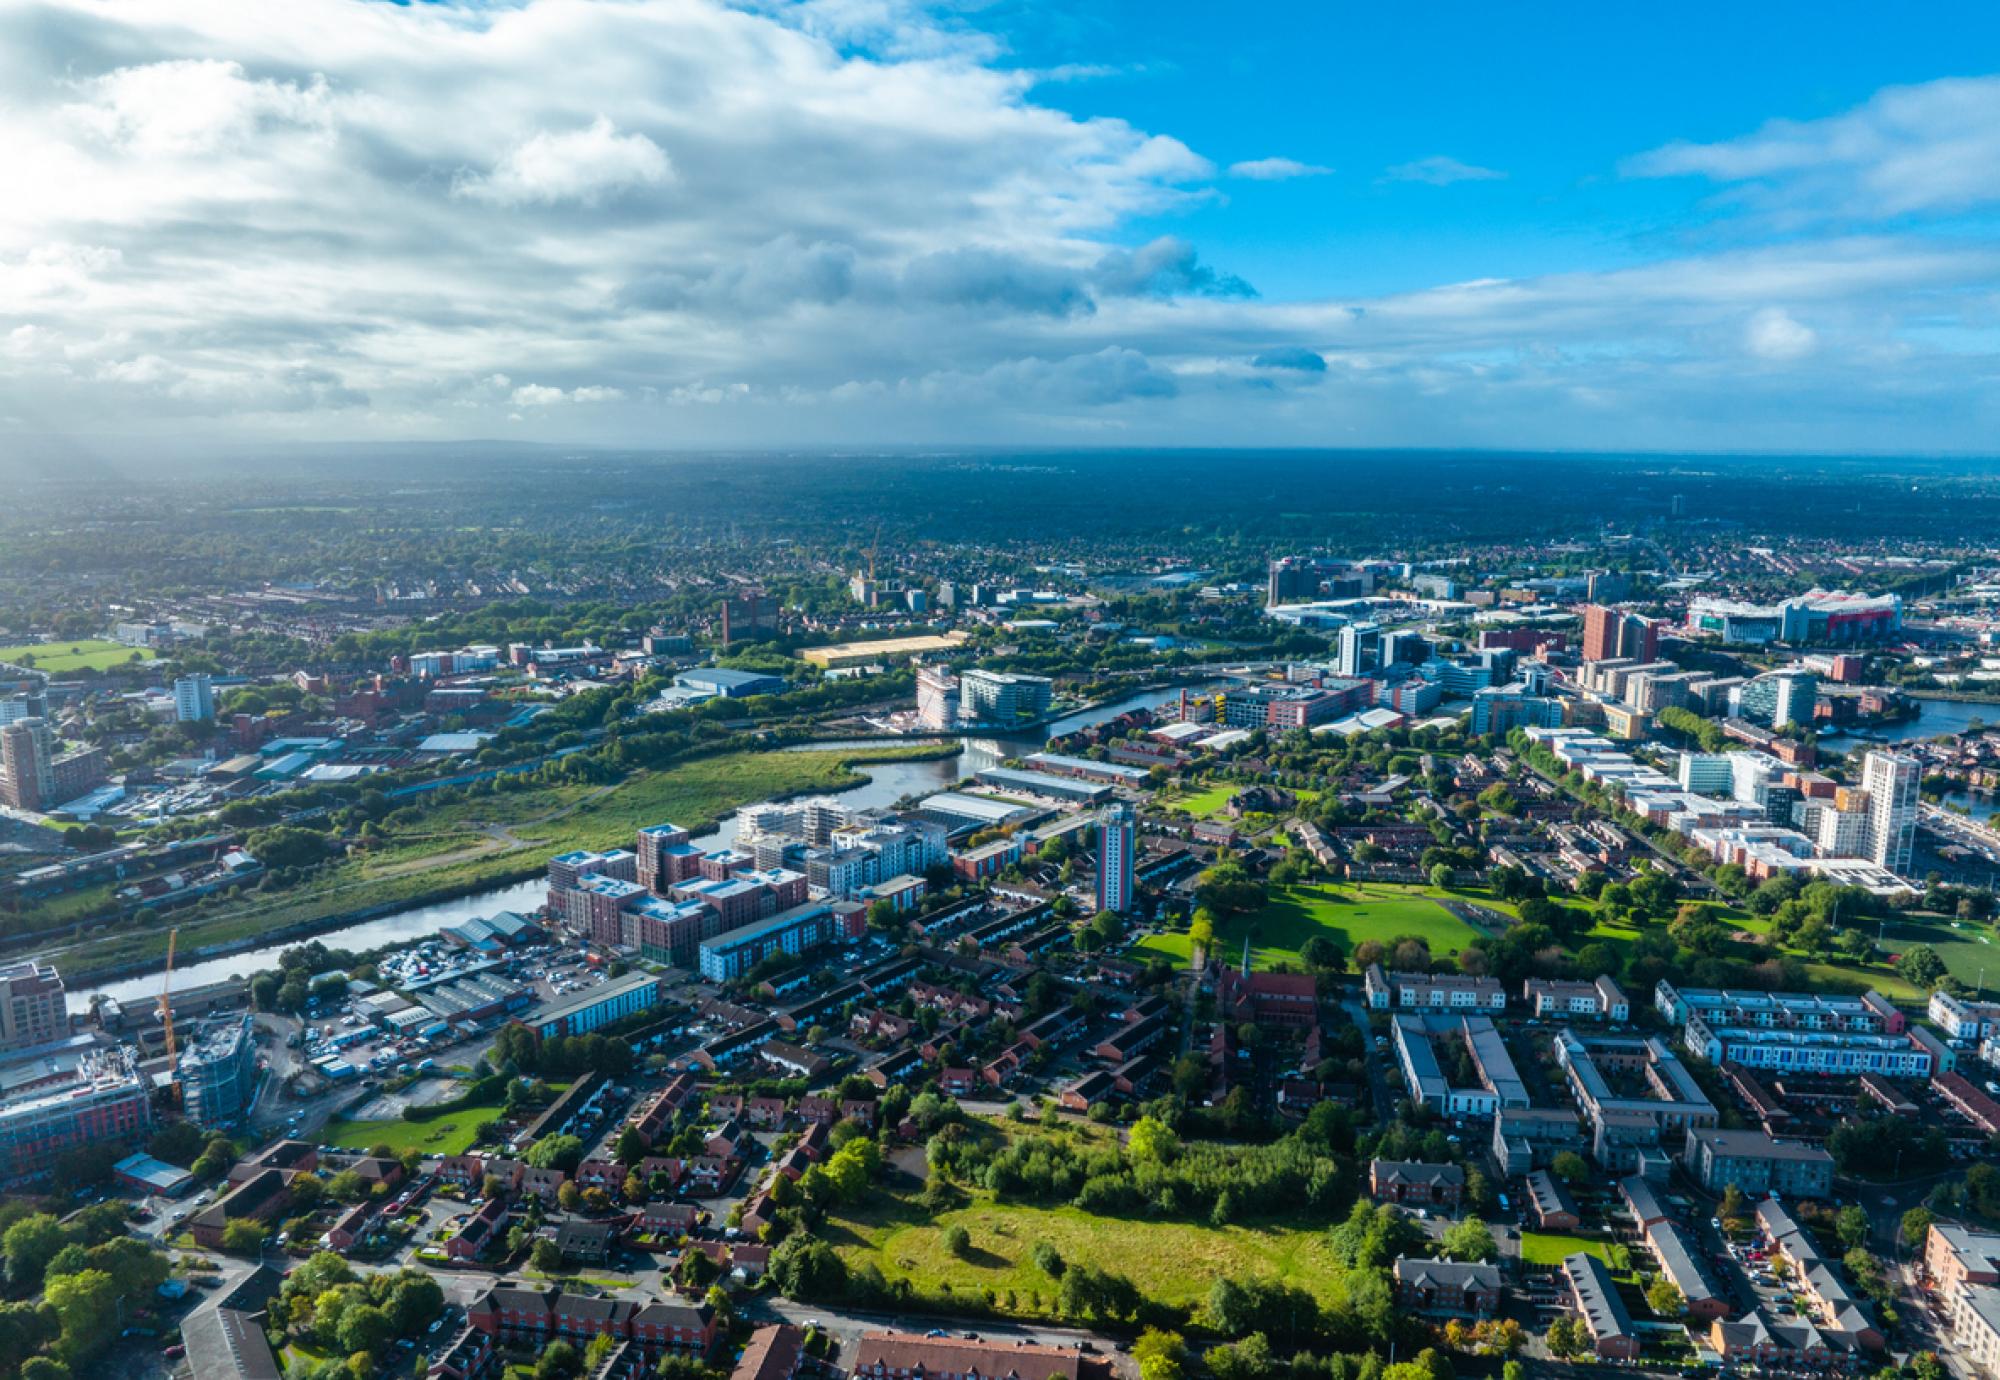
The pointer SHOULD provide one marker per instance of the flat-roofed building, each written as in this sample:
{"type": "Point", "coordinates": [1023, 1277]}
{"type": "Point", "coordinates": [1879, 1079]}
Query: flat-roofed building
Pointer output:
{"type": "Point", "coordinates": [1757, 1164]}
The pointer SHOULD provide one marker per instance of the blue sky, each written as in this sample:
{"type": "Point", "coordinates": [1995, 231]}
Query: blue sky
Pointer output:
{"type": "Point", "coordinates": [852, 222]}
{"type": "Point", "coordinates": [1555, 98]}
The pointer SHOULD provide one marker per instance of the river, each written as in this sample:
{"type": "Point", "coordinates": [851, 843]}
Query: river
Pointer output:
{"type": "Point", "coordinates": [887, 783]}
{"type": "Point", "coordinates": [1935, 719]}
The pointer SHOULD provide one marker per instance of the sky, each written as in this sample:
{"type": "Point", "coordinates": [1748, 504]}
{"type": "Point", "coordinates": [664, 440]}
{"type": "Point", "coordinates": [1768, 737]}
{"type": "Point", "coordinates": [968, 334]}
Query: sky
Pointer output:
{"type": "Point", "coordinates": [844, 223]}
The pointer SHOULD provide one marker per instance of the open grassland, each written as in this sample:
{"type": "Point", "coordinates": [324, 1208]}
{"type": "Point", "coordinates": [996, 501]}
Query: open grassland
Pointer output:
{"type": "Point", "coordinates": [1348, 913]}
{"type": "Point", "coordinates": [86, 654]}
{"type": "Point", "coordinates": [448, 1135]}
{"type": "Point", "coordinates": [1173, 1262]}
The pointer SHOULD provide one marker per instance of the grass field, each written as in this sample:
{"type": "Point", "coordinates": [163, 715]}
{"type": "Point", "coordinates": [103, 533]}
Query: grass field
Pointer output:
{"type": "Point", "coordinates": [448, 1135]}
{"type": "Point", "coordinates": [86, 654]}
{"type": "Point", "coordinates": [1202, 804]}
{"type": "Point", "coordinates": [1966, 947]}
{"type": "Point", "coordinates": [1348, 913]}
{"type": "Point", "coordinates": [1173, 1262]}
{"type": "Point", "coordinates": [1540, 1249]}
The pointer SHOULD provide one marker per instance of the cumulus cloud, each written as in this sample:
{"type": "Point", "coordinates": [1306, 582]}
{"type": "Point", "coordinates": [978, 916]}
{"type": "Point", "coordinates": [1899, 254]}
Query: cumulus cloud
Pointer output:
{"type": "Point", "coordinates": [1276, 169]}
{"type": "Point", "coordinates": [583, 165]}
{"type": "Point", "coordinates": [1774, 335]}
{"type": "Point", "coordinates": [848, 220]}
{"type": "Point", "coordinates": [1441, 171]}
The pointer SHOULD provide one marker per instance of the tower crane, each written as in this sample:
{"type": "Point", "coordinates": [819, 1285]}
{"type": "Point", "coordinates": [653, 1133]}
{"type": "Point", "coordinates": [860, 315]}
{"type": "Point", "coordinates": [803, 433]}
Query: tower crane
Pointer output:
{"type": "Point", "coordinates": [167, 1007]}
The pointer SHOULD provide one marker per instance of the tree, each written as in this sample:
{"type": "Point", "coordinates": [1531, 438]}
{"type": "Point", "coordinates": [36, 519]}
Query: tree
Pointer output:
{"type": "Point", "coordinates": [556, 1152]}
{"type": "Point", "coordinates": [1048, 1260]}
{"type": "Point", "coordinates": [1441, 876]}
{"type": "Point", "coordinates": [1665, 1299]}
{"type": "Point", "coordinates": [957, 1240]}
{"type": "Point", "coordinates": [569, 1197]}
{"type": "Point", "coordinates": [366, 1328]}
{"type": "Point", "coordinates": [348, 1186]}
{"type": "Point", "coordinates": [1152, 1141]}
{"type": "Point", "coordinates": [86, 1306]}
{"type": "Point", "coordinates": [1161, 1355]}
{"type": "Point", "coordinates": [1921, 967]}
{"type": "Point", "coordinates": [559, 1361]}
{"type": "Point", "coordinates": [1851, 1225]}
{"type": "Point", "coordinates": [1469, 1240]}
{"type": "Point", "coordinates": [1568, 1338]}
{"type": "Point", "coordinates": [697, 1269]}
{"type": "Point", "coordinates": [243, 1236]}
{"type": "Point", "coordinates": [31, 1244]}
{"type": "Point", "coordinates": [632, 1146]}
{"type": "Point", "coordinates": [44, 1368]}
{"type": "Point", "coordinates": [1916, 1227]}
{"type": "Point", "coordinates": [1570, 1167]}
{"type": "Point", "coordinates": [1734, 1205]}
{"type": "Point", "coordinates": [806, 1268]}
{"type": "Point", "coordinates": [1513, 1370]}
{"type": "Point", "coordinates": [546, 1256]}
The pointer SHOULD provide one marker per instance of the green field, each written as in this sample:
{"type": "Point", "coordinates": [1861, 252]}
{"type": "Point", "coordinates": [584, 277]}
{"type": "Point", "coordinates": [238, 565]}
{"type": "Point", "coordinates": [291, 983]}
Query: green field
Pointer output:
{"type": "Point", "coordinates": [1539, 1249]}
{"type": "Point", "coordinates": [1173, 1262]}
{"type": "Point", "coordinates": [1202, 804]}
{"type": "Point", "coordinates": [451, 1134]}
{"type": "Point", "coordinates": [85, 654]}
{"type": "Point", "coordinates": [1348, 913]}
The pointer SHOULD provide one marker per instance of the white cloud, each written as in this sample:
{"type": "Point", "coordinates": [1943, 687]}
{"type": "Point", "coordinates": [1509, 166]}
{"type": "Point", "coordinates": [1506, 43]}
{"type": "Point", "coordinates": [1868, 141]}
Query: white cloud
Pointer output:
{"type": "Point", "coordinates": [1928, 148]}
{"type": "Point", "coordinates": [584, 165]}
{"type": "Point", "coordinates": [842, 221]}
{"type": "Point", "coordinates": [191, 106]}
{"type": "Point", "coordinates": [1276, 169]}
{"type": "Point", "coordinates": [1441, 171]}
{"type": "Point", "coordinates": [1773, 334]}
{"type": "Point", "coordinates": [541, 395]}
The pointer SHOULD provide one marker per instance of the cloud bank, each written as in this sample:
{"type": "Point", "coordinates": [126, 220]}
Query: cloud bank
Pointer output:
{"type": "Point", "coordinates": [678, 222]}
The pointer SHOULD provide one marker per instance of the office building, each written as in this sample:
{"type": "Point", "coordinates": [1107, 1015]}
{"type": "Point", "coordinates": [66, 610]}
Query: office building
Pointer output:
{"type": "Point", "coordinates": [1408, 647]}
{"type": "Point", "coordinates": [218, 1074]}
{"type": "Point", "coordinates": [1358, 647]}
{"type": "Point", "coordinates": [1003, 697]}
{"type": "Point", "coordinates": [32, 1010]}
{"type": "Point", "coordinates": [1891, 781]}
{"type": "Point", "coordinates": [194, 699]}
{"type": "Point", "coordinates": [1116, 843]}
{"type": "Point", "coordinates": [1708, 773]}
{"type": "Point", "coordinates": [1778, 699]}
{"type": "Point", "coordinates": [1502, 708]}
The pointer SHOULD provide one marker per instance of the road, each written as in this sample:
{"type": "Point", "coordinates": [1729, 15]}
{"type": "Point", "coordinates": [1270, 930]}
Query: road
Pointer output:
{"type": "Point", "coordinates": [846, 1326]}
{"type": "Point", "coordinates": [1372, 1060]}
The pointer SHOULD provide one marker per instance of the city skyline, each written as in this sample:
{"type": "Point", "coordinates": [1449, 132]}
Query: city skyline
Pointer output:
{"type": "Point", "coordinates": [679, 224]}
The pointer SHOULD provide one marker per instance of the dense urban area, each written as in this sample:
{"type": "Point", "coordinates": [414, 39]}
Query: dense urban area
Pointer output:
{"type": "Point", "coordinates": [1014, 916]}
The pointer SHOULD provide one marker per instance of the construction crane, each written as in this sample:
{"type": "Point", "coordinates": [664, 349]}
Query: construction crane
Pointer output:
{"type": "Point", "coordinates": [167, 1007]}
